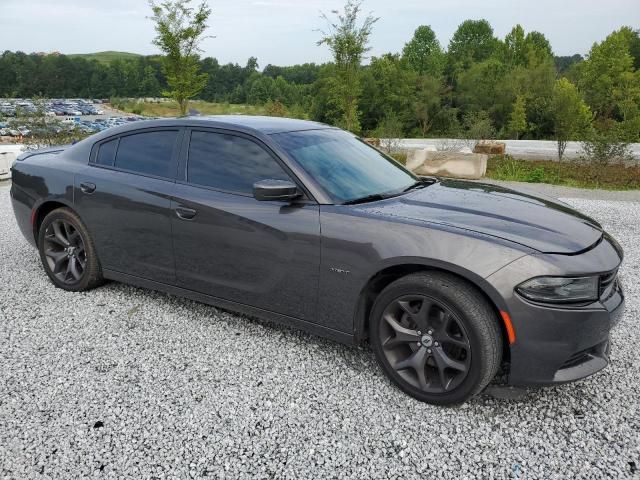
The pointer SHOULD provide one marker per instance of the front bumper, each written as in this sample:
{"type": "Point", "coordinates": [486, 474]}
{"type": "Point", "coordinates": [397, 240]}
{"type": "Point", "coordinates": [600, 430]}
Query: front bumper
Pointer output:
{"type": "Point", "coordinates": [561, 345]}
{"type": "Point", "coordinates": [558, 344]}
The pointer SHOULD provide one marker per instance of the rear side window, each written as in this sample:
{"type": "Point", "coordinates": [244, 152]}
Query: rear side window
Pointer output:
{"type": "Point", "coordinates": [230, 163]}
{"type": "Point", "coordinates": [149, 153]}
{"type": "Point", "coordinates": [107, 153]}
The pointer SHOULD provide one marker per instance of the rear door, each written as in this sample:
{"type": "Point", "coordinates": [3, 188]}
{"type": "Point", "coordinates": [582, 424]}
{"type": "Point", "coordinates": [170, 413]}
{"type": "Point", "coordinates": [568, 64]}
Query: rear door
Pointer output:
{"type": "Point", "coordinates": [124, 197]}
{"type": "Point", "coordinates": [229, 245]}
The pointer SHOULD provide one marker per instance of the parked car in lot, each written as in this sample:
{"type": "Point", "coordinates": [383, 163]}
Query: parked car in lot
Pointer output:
{"type": "Point", "coordinates": [450, 281]}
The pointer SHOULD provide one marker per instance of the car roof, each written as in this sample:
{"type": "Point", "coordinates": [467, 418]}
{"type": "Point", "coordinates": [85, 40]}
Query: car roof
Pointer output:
{"type": "Point", "coordinates": [246, 123]}
{"type": "Point", "coordinates": [266, 125]}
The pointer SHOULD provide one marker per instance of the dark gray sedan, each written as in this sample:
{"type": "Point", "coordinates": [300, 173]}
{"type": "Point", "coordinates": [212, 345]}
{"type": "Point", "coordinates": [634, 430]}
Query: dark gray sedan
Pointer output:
{"type": "Point", "coordinates": [451, 282]}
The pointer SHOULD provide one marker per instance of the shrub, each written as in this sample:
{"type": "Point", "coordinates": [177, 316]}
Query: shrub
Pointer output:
{"type": "Point", "coordinates": [275, 109]}
{"type": "Point", "coordinates": [603, 148]}
{"type": "Point", "coordinates": [389, 132]}
{"type": "Point", "coordinates": [508, 168]}
{"type": "Point", "coordinates": [537, 175]}
{"type": "Point", "coordinates": [478, 126]}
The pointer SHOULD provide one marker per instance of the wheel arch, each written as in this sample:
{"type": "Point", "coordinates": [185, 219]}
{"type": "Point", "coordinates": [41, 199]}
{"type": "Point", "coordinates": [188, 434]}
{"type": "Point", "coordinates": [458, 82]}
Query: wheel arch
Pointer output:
{"type": "Point", "coordinates": [42, 209]}
{"type": "Point", "coordinates": [383, 277]}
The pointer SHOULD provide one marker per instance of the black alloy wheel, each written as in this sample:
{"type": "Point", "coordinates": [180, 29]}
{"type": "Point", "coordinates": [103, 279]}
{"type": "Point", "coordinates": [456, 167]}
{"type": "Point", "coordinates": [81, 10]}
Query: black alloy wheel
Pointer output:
{"type": "Point", "coordinates": [436, 337]}
{"type": "Point", "coordinates": [67, 251]}
{"type": "Point", "coordinates": [425, 343]}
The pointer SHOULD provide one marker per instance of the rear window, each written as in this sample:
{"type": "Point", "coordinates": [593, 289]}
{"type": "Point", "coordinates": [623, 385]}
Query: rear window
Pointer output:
{"type": "Point", "coordinates": [148, 153]}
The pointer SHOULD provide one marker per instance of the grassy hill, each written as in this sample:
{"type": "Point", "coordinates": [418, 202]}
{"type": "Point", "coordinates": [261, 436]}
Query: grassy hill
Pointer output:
{"type": "Point", "coordinates": [106, 57]}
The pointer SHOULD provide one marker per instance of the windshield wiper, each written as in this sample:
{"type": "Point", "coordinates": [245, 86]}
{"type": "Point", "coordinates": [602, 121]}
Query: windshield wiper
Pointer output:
{"type": "Point", "coordinates": [368, 198]}
{"type": "Point", "coordinates": [423, 182]}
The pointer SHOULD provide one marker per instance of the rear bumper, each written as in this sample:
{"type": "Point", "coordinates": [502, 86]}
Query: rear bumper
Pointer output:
{"type": "Point", "coordinates": [22, 206]}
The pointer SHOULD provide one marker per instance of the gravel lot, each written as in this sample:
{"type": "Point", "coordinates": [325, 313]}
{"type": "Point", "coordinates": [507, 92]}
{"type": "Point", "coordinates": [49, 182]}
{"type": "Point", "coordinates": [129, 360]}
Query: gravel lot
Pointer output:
{"type": "Point", "coordinates": [125, 382]}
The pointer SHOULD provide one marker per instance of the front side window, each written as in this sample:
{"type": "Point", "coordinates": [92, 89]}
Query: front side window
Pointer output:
{"type": "Point", "coordinates": [148, 153]}
{"type": "Point", "coordinates": [229, 163]}
{"type": "Point", "coordinates": [343, 165]}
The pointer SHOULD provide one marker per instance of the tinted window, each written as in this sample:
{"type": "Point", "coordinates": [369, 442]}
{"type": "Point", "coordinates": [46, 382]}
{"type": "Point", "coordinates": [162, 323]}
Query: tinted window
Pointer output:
{"type": "Point", "coordinates": [107, 152]}
{"type": "Point", "coordinates": [231, 163]}
{"type": "Point", "coordinates": [345, 166]}
{"type": "Point", "coordinates": [149, 153]}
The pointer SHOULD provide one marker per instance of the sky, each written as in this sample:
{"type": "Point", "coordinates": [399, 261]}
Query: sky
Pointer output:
{"type": "Point", "coordinates": [284, 32]}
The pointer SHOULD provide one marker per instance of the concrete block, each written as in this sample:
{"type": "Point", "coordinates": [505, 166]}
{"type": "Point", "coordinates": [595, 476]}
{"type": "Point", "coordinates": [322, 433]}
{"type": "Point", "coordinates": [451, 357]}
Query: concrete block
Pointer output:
{"type": "Point", "coordinates": [8, 154]}
{"type": "Point", "coordinates": [489, 147]}
{"type": "Point", "coordinates": [447, 164]}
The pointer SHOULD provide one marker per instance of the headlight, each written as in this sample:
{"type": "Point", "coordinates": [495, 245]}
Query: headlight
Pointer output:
{"type": "Point", "coordinates": [560, 289]}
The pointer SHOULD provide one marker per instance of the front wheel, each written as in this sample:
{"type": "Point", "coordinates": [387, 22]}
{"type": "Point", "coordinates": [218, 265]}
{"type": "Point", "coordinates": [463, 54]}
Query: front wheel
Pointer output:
{"type": "Point", "coordinates": [67, 252]}
{"type": "Point", "coordinates": [436, 337]}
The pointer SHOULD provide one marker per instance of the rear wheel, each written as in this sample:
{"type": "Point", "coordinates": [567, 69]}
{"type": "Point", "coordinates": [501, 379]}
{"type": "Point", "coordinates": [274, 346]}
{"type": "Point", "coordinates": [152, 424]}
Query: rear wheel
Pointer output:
{"type": "Point", "coordinates": [67, 252]}
{"type": "Point", "coordinates": [436, 337]}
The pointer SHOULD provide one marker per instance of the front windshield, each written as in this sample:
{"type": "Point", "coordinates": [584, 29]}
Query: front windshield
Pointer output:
{"type": "Point", "coordinates": [345, 167]}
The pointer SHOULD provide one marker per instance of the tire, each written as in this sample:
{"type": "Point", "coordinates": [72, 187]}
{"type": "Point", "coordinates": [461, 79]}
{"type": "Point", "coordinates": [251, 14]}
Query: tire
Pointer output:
{"type": "Point", "coordinates": [64, 240]}
{"type": "Point", "coordinates": [461, 350]}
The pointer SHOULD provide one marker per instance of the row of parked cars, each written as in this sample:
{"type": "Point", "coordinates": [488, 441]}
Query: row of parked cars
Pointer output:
{"type": "Point", "coordinates": [74, 111]}
{"type": "Point", "coordinates": [55, 107]}
{"type": "Point", "coordinates": [12, 129]}
{"type": "Point", "coordinates": [103, 123]}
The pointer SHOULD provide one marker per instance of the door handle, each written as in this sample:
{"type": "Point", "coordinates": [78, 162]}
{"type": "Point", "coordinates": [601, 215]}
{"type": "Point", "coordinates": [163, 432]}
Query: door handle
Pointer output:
{"type": "Point", "coordinates": [185, 213]}
{"type": "Point", "coordinates": [87, 187]}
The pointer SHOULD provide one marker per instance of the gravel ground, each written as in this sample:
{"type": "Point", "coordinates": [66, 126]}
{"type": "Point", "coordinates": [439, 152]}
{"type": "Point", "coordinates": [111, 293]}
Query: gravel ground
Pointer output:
{"type": "Point", "coordinates": [125, 382]}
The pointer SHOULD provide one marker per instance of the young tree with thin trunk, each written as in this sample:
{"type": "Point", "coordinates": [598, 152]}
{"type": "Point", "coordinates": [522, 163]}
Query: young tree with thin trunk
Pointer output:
{"type": "Point", "coordinates": [180, 31]}
{"type": "Point", "coordinates": [518, 118]}
{"type": "Point", "coordinates": [571, 116]}
{"type": "Point", "coordinates": [348, 43]}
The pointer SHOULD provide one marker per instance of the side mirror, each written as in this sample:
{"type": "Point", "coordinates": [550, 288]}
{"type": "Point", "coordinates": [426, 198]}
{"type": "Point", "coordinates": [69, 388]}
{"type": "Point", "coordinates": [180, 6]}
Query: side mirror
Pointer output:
{"type": "Point", "coordinates": [275, 190]}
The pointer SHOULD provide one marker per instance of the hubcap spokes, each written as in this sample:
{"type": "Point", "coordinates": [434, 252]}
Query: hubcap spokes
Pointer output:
{"type": "Point", "coordinates": [64, 251]}
{"type": "Point", "coordinates": [425, 343]}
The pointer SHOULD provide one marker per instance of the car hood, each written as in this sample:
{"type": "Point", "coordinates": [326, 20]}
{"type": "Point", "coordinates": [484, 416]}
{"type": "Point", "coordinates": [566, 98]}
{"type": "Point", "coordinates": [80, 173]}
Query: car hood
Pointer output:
{"type": "Point", "coordinates": [535, 221]}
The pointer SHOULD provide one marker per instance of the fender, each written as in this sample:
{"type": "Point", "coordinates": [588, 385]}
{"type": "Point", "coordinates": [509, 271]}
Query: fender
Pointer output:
{"type": "Point", "coordinates": [399, 266]}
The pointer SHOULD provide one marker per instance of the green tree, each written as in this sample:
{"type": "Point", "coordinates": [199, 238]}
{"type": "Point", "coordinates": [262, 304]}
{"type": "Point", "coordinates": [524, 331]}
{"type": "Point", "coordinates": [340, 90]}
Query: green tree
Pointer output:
{"type": "Point", "coordinates": [180, 31]}
{"type": "Point", "coordinates": [635, 49]}
{"type": "Point", "coordinates": [348, 43]}
{"type": "Point", "coordinates": [571, 115]}
{"type": "Point", "coordinates": [423, 52]}
{"type": "Point", "coordinates": [537, 41]}
{"type": "Point", "coordinates": [607, 75]}
{"type": "Point", "coordinates": [515, 47]}
{"type": "Point", "coordinates": [389, 132]}
{"type": "Point", "coordinates": [427, 102]}
{"type": "Point", "coordinates": [484, 87]}
{"type": "Point", "coordinates": [520, 50]}
{"type": "Point", "coordinates": [387, 85]}
{"type": "Point", "coordinates": [518, 119]}
{"type": "Point", "coordinates": [472, 42]}
{"type": "Point", "coordinates": [478, 126]}
{"type": "Point", "coordinates": [149, 86]}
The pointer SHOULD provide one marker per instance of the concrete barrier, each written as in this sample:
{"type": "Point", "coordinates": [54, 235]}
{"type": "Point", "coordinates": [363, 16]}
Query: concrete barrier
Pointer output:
{"type": "Point", "coordinates": [490, 147]}
{"type": "Point", "coordinates": [8, 154]}
{"type": "Point", "coordinates": [447, 164]}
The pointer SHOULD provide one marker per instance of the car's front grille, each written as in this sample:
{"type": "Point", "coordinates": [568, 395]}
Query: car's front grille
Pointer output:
{"type": "Point", "coordinates": [608, 284]}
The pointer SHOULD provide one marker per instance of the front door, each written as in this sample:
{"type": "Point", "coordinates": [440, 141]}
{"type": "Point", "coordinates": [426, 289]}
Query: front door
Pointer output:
{"type": "Point", "coordinates": [227, 244]}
